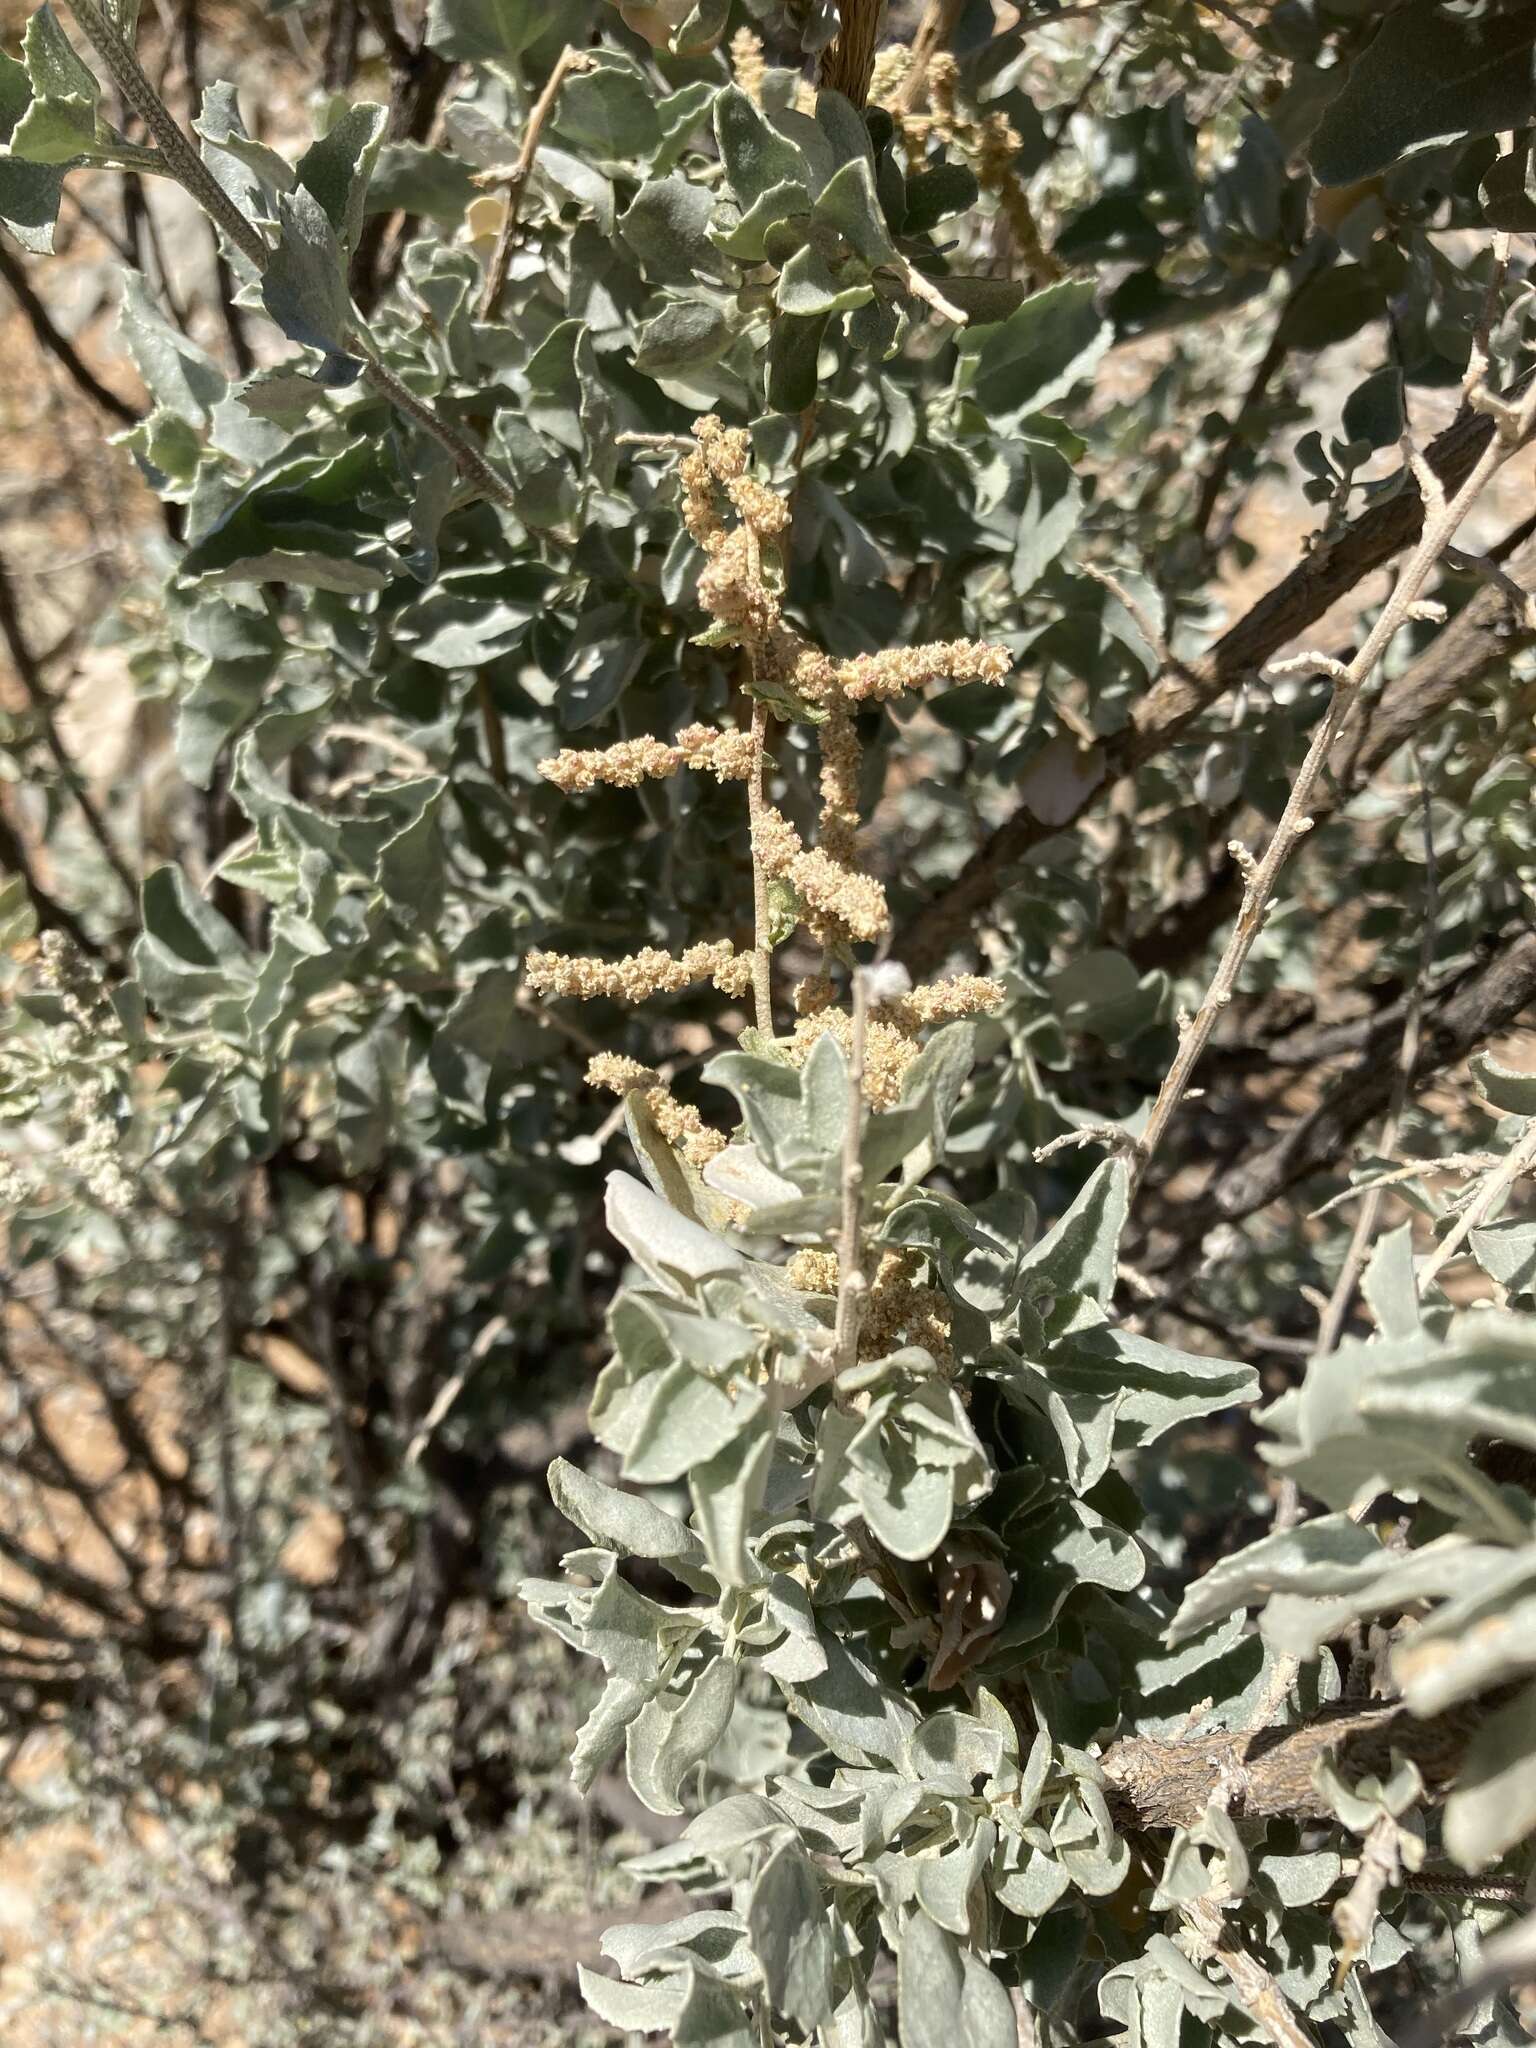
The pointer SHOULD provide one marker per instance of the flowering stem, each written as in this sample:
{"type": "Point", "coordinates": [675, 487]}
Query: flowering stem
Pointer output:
{"type": "Point", "coordinates": [762, 936]}
{"type": "Point", "coordinates": [851, 1283]}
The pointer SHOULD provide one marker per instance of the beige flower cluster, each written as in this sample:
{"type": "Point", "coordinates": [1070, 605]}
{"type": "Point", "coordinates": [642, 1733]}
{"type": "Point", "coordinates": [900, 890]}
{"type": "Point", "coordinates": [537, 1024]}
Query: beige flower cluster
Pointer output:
{"type": "Point", "coordinates": [748, 65]}
{"type": "Point", "coordinates": [679, 1122]}
{"type": "Point", "coordinates": [839, 902]}
{"type": "Point", "coordinates": [988, 141]}
{"type": "Point", "coordinates": [891, 1040]}
{"type": "Point", "coordinates": [726, 755]}
{"type": "Point", "coordinates": [898, 1309]}
{"type": "Point", "coordinates": [649, 972]}
{"type": "Point", "coordinates": [868, 678]}
{"type": "Point", "coordinates": [936, 1002]}
{"type": "Point", "coordinates": [888, 1051]}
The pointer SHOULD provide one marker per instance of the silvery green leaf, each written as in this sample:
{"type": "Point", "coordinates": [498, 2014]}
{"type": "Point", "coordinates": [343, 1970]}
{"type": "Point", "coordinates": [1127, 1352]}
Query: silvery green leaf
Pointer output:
{"type": "Point", "coordinates": [608, 111]}
{"type": "Point", "coordinates": [792, 1937]}
{"type": "Point", "coordinates": [686, 334]}
{"type": "Point", "coordinates": [733, 1825]}
{"type": "Point", "coordinates": [755, 155]}
{"type": "Point", "coordinates": [1034, 357]}
{"type": "Point", "coordinates": [1482, 1635]}
{"type": "Point", "coordinates": [848, 204]}
{"type": "Point", "coordinates": [409, 178]}
{"type": "Point", "coordinates": [1027, 1881]}
{"type": "Point", "coordinates": [29, 193]}
{"type": "Point", "coordinates": [1506, 1251]}
{"type": "Point", "coordinates": [1493, 1807]}
{"type": "Point", "coordinates": [484, 31]}
{"type": "Point", "coordinates": [712, 1937]}
{"type": "Point", "coordinates": [634, 2008]}
{"type": "Point", "coordinates": [1328, 1555]}
{"type": "Point", "coordinates": [664, 224]}
{"type": "Point", "coordinates": [743, 233]}
{"type": "Point", "coordinates": [410, 864]}
{"type": "Point", "coordinates": [601, 1734]}
{"type": "Point", "coordinates": [669, 1736]}
{"type": "Point", "coordinates": [1426, 78]}
{"type": "Point", "coordinates": [799, 1654]}
{"type": "Point", "coordinates": [1190, 1873]}
{"type": "Point", "coordinates": [741, 1173]}
{"type": "Point", "coordinates": [336, 169]}
{"type": "Point", "coordinates": [227, 145]}
{"type": "Point", "coordinates": [684, 1420]}
{"type": "Point", "coordinates": [1085, 1842]}
{"type": "Point", "coordinates": [960, 1742]}
{"type": "Point", "coordinates": [621, 1521]}
{"type": "Point", "coordinates": [809, 288]}
{"type": "Point", "coordinates": [1303, 1879]}
{"type": "Point", "coordinates": [676, 1253]}
{"type": "Point", "coordinates": [1507, 1088]}
{"type": "Point", "coordinates": [178, 373]}
{"type": "Point", "coordinates": [1389, 1286]}
{"type": "Point", "coordinates": [1078, 1254]}
{"type": "Point", "coordinates": [61, 121]}
{"type": "Point", "coordinates": [571, 177]}
{"type": "Point", "coordinates": [623, 1629]}
{"type": "Point", "coordinates": [852, 1709]}
{"type": "Point", "coordinates": [727, 1491]}
{"type": "Point", "coordinates": [945, 1995]}
{"type": "Point", "coordinates": [794, 356]}
{"type": "Point", "coordinates": [712, 2016]}
{"type": "Point", "coordinates": [304, 287]}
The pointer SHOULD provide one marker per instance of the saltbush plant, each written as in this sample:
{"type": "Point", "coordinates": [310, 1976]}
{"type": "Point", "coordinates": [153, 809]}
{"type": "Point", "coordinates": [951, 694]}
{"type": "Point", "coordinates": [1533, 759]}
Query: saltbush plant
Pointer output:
{"type": "Point", "coordinates": [705, 576]}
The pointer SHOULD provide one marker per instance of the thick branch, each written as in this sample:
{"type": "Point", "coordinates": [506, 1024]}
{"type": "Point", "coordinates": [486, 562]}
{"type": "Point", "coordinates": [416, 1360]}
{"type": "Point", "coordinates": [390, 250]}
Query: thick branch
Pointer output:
{"type": "Point", "coordinates": [1482, 1005]}
{"type": "Point", "coordinates": [1295, 603]}
{"type": "Point", "coordinates": [1269, 1771]}
{"type": "Point", "coordinates": [1481, 637]}
{"type": "Point", "coordinates": [850, 58]}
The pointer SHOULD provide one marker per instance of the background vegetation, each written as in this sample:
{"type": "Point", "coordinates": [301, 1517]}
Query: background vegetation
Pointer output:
{"type": "Point", "coordinates": [1110, 581]}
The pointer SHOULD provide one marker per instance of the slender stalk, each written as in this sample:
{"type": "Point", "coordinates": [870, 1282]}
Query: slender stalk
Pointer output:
{"type": "Point", "coordinates": [762, 935]}
{"type": "Point", "coordinates": [570, 59]}
{"type": "Point", "coordinates": [852, 1285]}
{"type": "Point", "coordinates": [30, 675]}
{"type": "Point", "coordinates": [58, 345]}
{"type": "Point", "coordinates": [1364, 1232]}
{"type": "Point", "coordinates": [1516, 1163]}
{"type": "Point", "coordinates": [1442, 518]}
{"type": "Point", "coordinates": [849, 59]}
{"type": "Point", "coordinates": [1257, 1992]}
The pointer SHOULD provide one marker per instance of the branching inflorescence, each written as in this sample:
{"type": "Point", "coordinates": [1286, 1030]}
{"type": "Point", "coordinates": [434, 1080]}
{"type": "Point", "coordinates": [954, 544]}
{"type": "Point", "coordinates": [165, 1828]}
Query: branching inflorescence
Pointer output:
{"type": "Point", "coordinates": [739, 524]}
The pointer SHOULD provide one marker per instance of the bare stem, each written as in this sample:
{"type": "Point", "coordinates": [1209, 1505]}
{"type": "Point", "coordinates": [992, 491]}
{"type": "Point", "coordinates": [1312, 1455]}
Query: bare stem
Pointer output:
{"type": "Point", "coordinates": [1442, 518]}
{"type": "Point", "coordinates": [851, 1283]}
{"type": "Point", "coordinates": [1257, 1992]}
{"type": "Point", "coordinates": [1407, 1060]}
{"type": "Point", "coordinates": [1519, 1160]}
{"type": "Point", "coordinates": [762, 934]}
{"type": "Point", "coordinates": [569, 60]}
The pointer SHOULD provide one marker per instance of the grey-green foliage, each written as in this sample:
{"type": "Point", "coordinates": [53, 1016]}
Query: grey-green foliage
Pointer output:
{"type": "Point", "coordinates": [883, 1627]}
{"type": "Point", "coordinates": [860, 1539]}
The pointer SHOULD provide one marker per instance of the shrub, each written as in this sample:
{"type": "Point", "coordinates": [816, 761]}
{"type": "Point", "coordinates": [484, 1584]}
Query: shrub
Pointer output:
{"type": "Point", "coordinates": [716, 601]}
